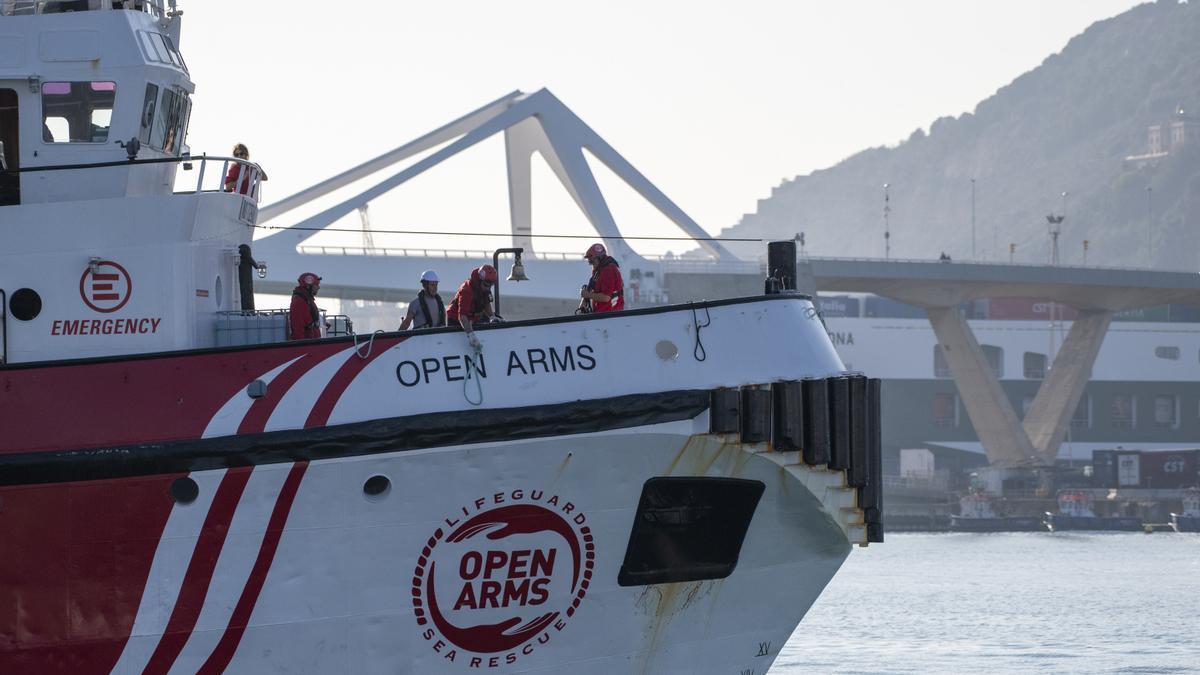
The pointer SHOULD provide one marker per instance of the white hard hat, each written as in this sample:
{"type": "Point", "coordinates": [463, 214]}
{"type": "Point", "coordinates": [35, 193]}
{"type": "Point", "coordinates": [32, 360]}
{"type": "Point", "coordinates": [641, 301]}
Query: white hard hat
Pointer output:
{"type": "Point", "coordinates": [429, 275]}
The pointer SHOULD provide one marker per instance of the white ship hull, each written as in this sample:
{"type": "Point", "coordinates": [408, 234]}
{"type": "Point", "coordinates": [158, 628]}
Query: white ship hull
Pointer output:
{"type": "Point", "coordinates": [339, 595]}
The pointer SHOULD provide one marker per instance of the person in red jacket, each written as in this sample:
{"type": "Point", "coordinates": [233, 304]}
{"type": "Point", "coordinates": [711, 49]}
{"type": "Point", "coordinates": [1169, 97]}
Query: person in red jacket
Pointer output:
{"type": "Point", "coordinates": [605, 291]}
{"type": "Point", "coordinates": [473, 302]}
{"type": "Point", "coordinates": [304, 318]}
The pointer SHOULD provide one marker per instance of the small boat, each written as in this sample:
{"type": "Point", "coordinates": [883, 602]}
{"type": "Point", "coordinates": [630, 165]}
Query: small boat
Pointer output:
{"type": "Point", "coordinates": [1075, 513]}
{"type": "Point", "coordinates": [977, 513]}
{"type": "Point", "coordinates": [1189, 520]}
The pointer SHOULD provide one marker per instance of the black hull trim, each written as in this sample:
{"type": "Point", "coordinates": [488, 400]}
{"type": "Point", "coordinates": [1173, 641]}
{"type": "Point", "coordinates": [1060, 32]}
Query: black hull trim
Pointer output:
{"type": "Point", "coordinates": [395, 434]}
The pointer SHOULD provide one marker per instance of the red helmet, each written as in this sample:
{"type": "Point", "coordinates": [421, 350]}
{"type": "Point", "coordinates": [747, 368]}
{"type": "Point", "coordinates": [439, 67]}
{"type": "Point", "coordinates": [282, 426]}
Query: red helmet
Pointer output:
{"type": "Point", "coordinates": [488, 273]}
{"type": "Point", "coordinates": [595, 250]}
{"type": "Point", "coordinates": [309, 279]}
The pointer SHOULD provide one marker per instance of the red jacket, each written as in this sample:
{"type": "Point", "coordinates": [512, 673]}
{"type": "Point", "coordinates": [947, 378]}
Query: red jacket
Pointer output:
{"type": "Point", "coordinates": [470, 301]}
{"type": "Point", "coordinates": [304, 319]}
{"type": "Point", "coordinates": [607, 280]}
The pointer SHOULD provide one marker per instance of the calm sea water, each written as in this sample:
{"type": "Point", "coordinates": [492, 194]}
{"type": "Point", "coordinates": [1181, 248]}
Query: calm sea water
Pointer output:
{"type": "Point", "coordinates": [992, 603]}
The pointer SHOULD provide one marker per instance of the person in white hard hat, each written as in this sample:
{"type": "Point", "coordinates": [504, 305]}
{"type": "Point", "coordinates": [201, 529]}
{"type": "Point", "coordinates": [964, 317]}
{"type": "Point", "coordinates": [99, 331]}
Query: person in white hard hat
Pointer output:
{"type": "Point", "coordinates": [427, 310]}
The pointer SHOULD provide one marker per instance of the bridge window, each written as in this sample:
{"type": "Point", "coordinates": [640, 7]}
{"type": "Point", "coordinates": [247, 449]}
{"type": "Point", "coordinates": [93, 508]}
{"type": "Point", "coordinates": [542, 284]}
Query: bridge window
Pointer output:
{"type": "Point", "coordinates": [1169, 353]}
{"type": "Point", "coordinates": [1123, 413]}
{"type": "Point", "coordinates": [940, 367]}
{"type": "Point", "coordinates": [944, 410]}
{"type": "Point", "coordinates": [1166, 411]}
{"type": "Point", "coordinates": [148, 107]}
{"type": "Point", "coordinates": [1035, 366]}
{"type": "Point", "coordinates": [159, 48]}
{"type": "Point", "coordinates": [77, 112]}
{"type": "Point", "coordinates": [170, 125]}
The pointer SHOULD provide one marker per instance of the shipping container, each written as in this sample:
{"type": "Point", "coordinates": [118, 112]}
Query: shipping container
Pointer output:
{"type": "Point", "coordinates": [1029, 309]}
{"type": "Point", "coordinates": [837, 306]}
{"type": "Point", "coordinates": [1104, 468]}
{"type": "Point", "coordinates": [1129, 467]}
{"type": "Point", "coordinates": [892, 309]}
{"type": "Point", "coordinates": [1158, 313]}
{"type": "Point", "coordinates": [1170, 470]}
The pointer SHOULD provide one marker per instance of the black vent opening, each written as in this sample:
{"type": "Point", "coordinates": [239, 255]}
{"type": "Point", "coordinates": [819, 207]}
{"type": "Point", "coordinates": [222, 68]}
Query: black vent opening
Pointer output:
{"type": "Point", "coordinates": [688, 529]}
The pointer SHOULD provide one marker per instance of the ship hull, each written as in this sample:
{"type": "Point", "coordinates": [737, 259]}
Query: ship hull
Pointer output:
{"type": "Point", "coordinates": [299, 569]}
{"type": "Point", "coordinates": [1185, 523]}
{"type": "Point", "coordinates": [578, 497]}
{"type": "Point", "coordinates": [1060, 523]}
{"type": "Point", "coordinates": [1012, 524]}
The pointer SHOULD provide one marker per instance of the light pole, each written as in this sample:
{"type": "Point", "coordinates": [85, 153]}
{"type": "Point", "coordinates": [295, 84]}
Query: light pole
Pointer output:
{"type": "Point", "coordinates": [887, 231]}
{"type": "Point", "coordinates": [1149, 229]}
{"type": "Point", "coordinates": [973, 219]}
{"type": "Point", "coordinates": [517, 273]}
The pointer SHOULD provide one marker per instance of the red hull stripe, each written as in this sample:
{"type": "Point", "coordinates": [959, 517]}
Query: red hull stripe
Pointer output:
{"type": "Point", "coordinates": [227, 646]}
{"type": "Point", "coordinates": [199, 571]}
{"type": "Point", "coordinates": [319, 416]}
{"type": "Point", "coordinates": [260, 411]}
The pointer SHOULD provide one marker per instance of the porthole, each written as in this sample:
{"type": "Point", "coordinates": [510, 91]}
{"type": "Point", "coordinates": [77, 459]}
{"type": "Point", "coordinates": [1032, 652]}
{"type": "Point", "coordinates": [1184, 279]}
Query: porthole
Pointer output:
{"type": "Point", "coordinates": [217, 287]}
{"type": "Point", "coordinates": [25, 304]}
{"type": "Point", "coordinates": [377, 487]}
{"type": "Point", "coordinates": [184, 491]}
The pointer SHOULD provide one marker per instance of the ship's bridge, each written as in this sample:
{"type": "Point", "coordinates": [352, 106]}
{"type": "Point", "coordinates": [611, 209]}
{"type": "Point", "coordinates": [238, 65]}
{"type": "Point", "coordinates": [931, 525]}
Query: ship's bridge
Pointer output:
{"type": "Point", "coordinates": [85, 83]}
{"type": "Point", "coordinates": [100, 254]}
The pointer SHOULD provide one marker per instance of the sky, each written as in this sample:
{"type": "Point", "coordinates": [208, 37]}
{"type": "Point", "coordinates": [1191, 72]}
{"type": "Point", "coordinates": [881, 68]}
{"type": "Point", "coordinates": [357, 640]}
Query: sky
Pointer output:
{"type": "Point", "coordinates": [715, 102]}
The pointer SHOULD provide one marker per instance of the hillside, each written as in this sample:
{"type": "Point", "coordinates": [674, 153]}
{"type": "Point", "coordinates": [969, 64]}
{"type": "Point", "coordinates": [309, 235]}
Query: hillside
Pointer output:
{"type": "Point", "coordinates": [1067, 125]}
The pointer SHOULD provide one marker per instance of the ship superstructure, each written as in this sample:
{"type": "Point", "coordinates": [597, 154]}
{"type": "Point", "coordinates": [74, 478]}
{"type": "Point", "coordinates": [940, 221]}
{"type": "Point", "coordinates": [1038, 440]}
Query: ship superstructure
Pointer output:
{"type": "Point", "coordinates": [663, 490]}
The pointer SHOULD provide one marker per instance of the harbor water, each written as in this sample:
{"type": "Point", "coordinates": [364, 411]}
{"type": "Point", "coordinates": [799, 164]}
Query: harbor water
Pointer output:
{"type": "Point", "coordinates": [996, 603]}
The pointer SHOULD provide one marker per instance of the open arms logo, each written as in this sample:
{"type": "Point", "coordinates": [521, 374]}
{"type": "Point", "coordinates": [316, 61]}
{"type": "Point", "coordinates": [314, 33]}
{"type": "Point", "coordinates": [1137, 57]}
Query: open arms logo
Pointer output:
{"type": "Point", "coordinates": [503, 577]}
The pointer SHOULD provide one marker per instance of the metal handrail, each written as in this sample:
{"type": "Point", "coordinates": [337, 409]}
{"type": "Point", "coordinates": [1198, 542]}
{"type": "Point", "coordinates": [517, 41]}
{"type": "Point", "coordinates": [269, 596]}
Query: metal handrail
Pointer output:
{"type": "Point", "coordinates": [255, 175]}
{"type": "Point", "coordinates": [33, 7]}
{"type": "Point", "coordinates": [3, 327]}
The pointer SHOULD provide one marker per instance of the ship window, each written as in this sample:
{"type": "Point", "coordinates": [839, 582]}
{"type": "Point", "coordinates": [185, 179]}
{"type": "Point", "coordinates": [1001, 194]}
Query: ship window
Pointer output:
{"type": "Point", "coordinates": [148, 106]}
{"type": "Point", "coordinates": [77, 112]}
{"type": "Point", "coordinates": [1123, 413]}
{"type": "Point", "coordinates": [995, 359]}
{"type": "Point", "coordinates": [1035, 366]}
{"type": "Point", "coordinates": [1082, 419]}
{"type": "Point", "coordinates": [944, 410]}
{"type": "Point", "coordinates": [688, 529]}
{"type": "Point", "coordinates": [171, 122]}
{"type": "Point", "coordinates": [1169, 353]}
{"type": "Point", "coordinates": [1166, 411]}
{"type": "Point", "coordinates": [940, 367]}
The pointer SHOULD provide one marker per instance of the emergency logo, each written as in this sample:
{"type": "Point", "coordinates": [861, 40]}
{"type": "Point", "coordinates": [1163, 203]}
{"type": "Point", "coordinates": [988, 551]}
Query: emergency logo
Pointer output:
{"type": "Point", "coordinates": [105, 286]}
{"type": "Point", "coordinates": [502, 577]}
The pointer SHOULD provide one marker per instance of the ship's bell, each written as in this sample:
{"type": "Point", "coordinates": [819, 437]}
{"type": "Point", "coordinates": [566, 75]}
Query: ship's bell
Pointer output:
{"type": "Point", "coordinates": [518, 270]}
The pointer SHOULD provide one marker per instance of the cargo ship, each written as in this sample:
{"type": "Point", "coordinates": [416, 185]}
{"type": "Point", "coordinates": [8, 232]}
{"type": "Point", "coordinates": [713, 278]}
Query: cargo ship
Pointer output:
{"type": "Point", "coordinates": [1142, 397]}
{"type": "Point", "coordinates": [663, 490]}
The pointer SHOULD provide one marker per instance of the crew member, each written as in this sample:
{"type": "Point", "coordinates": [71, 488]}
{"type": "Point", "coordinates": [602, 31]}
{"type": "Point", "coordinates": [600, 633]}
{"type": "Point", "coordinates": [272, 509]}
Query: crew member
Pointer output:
{"type": "Point", "coordinates": [428, 310]}
{"type": "Point", "coordinates": [304, 318]}
{"type": "Point", "coordinates": [473, 302]}
{"type": "Point", "coordinates": [605, 291]}
{"type": "Point", "coordinates": [240, 151]}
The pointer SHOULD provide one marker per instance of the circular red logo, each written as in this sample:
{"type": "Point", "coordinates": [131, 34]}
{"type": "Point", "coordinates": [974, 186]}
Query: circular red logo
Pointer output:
{"type": "Point", "coordinates": [107, 288]}
{"type": "Point", "coordinates": [503, 577]}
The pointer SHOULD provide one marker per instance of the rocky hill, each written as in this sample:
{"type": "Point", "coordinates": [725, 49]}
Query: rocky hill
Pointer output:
{"type": "Point", "coordinates": [1068, 125]}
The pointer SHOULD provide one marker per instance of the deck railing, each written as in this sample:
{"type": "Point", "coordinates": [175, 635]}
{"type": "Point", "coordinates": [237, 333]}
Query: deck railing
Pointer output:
{"type": "Point", "coordinates": [31, 7]}
{"type": "Point", "coordinates": [249, 175]}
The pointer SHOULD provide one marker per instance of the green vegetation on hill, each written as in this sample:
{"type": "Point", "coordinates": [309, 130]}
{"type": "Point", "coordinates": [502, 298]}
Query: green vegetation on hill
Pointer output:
{"type": "Point", "coordinates": [1067, 125]}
